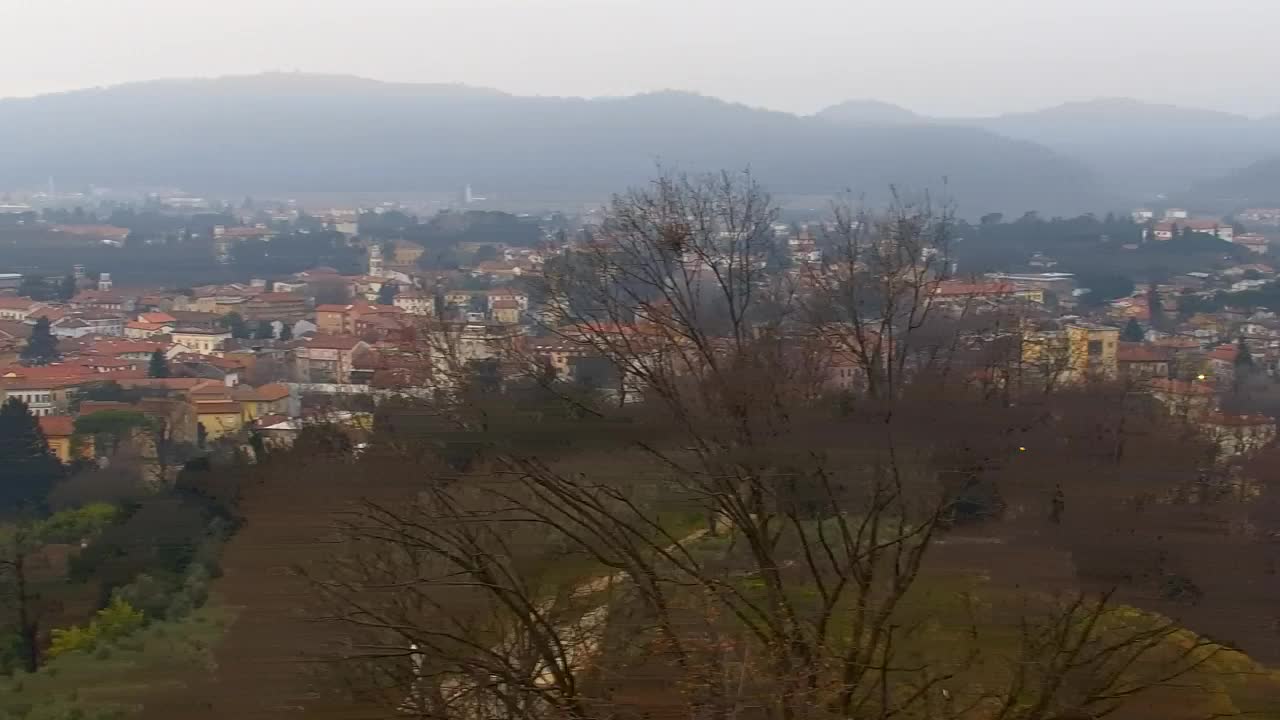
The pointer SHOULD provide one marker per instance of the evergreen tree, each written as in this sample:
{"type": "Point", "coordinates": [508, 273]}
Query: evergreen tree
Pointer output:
{"type": "Point", "coordinates": [236, 324]}
{"type": "Point", "coordinates": [286, 331]}
{"type": "Point", "coordinates": [35, 287]}
{"type": "Point", "coordinates": [265, 331]}
{"type": "Point", "coordinates": [159, 367]}
{"type": "Point", "coordinates": [67, 289]}
{"type": "Point", "coordinates": [1244, 359]}
{"type": "Point", "coordinates": [1155, 308]}
{"type": "Point", "coordinates": [387, 294]}
{"type": "Point", "coordinates": [1132, 331]}
{"type": "Point", "coordinates": [42, 346]}
{"type": "Point", "coordinates": [27, 468]}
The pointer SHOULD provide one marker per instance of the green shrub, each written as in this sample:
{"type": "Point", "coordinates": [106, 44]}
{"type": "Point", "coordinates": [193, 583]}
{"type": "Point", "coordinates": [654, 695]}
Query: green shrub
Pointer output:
{"type": "Point", "coordinates": [118, 620]}
{"type": "Point", "coordinates": [148, 593]}
{"type": "Point", "coordinates": [69, 640]}
{"type": "Point", "coordinates": [112, 623]}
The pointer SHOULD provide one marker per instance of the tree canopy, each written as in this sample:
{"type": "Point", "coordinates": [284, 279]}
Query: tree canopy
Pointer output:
{"type": "Point", "coordinates": [159, 365]}
{"type": "Point", "coordinates": [28, 468]}
{"type": "Point", "coordinates": [42, 346]}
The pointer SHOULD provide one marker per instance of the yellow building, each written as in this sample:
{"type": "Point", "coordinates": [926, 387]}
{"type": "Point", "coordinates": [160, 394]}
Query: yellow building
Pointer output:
{"type": "Point", "coordinates": [406, 253]}
{"type": "Point", "coordinates": [58, 430]}
{"type": "Point", "coordinates": [1079, 352]}
{"type": "Point", "coordinates": [1093, 351]}
{"type": "Point", "coordinates": [219, 418]}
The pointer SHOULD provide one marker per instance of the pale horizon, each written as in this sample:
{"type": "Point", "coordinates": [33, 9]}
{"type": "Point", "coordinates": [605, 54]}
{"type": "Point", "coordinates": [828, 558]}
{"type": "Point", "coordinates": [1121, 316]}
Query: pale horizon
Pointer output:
{"type": "Point", "coordinates": [981, 57]}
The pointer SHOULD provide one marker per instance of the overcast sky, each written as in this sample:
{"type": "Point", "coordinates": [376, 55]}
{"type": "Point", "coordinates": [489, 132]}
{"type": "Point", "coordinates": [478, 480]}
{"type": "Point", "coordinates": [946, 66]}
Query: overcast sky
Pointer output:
{"type": "Point", "coordinates": [933, 56]}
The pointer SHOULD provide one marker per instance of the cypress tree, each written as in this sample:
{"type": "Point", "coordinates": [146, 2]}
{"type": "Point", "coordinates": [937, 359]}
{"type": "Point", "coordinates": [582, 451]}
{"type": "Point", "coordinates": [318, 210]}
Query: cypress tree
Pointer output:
{"type": "Point", "coordinates": [28, 469]}
{"type": "Point", "coordinates": [159, 367]}
{"type": "Point", "coordinates": [42, 346]}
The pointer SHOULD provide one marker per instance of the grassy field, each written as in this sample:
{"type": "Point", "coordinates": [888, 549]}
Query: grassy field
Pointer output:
{"type": "Point", "coordinates": [959, 616]}
{"type": "Point", "coordinates": [114, 681]}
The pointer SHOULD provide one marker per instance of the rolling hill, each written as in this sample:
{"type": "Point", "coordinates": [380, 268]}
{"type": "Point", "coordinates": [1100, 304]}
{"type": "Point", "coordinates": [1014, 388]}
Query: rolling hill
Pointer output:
{"type": "Point", "coordinates": [301, 132]}
{"type": "Point", "coordinates": [1138, 149]}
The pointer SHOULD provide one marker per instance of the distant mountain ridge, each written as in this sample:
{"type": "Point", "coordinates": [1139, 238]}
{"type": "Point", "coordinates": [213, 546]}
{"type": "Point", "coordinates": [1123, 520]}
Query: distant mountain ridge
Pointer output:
{"type": "Point", "coordinates": [296, 132]}
{"type": "Point", "coordinates": [1139, 149]}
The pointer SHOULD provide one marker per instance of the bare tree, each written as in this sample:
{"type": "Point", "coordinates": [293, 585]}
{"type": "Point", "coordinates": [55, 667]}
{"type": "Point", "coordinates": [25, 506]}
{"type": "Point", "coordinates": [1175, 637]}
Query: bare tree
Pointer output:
{"type": "Point", "coordinates": [550, 582]}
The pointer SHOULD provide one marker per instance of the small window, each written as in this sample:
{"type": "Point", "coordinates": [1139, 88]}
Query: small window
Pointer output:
{"type": "Point", "coordinates": [1095, 347]}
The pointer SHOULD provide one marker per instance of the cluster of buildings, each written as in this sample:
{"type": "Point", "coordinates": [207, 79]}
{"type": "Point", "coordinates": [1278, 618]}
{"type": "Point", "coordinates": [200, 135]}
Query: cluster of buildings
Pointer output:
{"type": "Point", "coordinates": [1188, 362]}
{"type": "Point", "coordinates": [248, 356]}
{"type": "Point", "coordinates": [258, 356]}
{"type": "Point", "coordinates": [1174, 222]}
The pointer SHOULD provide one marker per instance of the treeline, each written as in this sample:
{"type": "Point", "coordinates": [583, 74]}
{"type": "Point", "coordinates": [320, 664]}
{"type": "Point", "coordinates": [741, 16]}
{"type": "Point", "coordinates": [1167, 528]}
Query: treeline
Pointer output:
{"type": "Point", "coordinates": [1088, 246]}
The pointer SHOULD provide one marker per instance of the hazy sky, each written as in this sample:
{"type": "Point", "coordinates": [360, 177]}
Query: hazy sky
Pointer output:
{"type": "Point", "coordinates": [934, 56]}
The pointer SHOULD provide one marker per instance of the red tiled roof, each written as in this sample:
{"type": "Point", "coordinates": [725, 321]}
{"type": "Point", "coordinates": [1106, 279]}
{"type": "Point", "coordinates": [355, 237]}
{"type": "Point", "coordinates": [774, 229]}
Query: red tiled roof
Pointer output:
{"type": "Point", "coordinates": [332, 342]}
{"type": "Point", "coordinates": [207, 408]}
{"type": "Point", "coordinates": [156, 317]}
{"type": "Point", "coordinates": [100, 231]}
{"type": "Point", "coordinates": [12, 302]}
{"type": "Point", "coordinates": [1139, 353]}
{"type": "Point", "coordinates": [89, 407]}
{"type": "Point", "coordinates": [57, 425]}
{"type": "Point", "coordinates": [265, 393]}
{"type": "Point", "coordinates": [1225, 353]}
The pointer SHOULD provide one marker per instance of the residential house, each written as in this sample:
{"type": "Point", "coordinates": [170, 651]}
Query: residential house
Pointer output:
{"type": "Point", "coordinates": [70, 327]}
{"type": "Point", "coordinates": [1221, 362]}
{"type": "Point", "coordinates": [1093, 350]}
{"type": "Point", "coordinates": [104, 233]}
{"type": "Point", "coordinates": [102, 322]}
{"type": "Point", "coordinates": [58, 431]}
{"type": "Point", "coordinates": [219, 418]}
{"type": "Point", "coordinates": [461, 300]}
{"type": "Point", "coordinates": [197, 319]}
{"type": "Point", "coordinates": [283, 306]}
{"type": "Point", "coordinates": [1166, 230]}
{"type": "Point", "coordinates": [556, 354]}
{"type": "Point", "coordinates": [43, 395]}
{"type": "Point", "coordinates": [1139, 361]}
{"type": "Point", "coordinates": [17, 308]}
{"type": "Point", "coordinates": [272, 399]}
{"type": "Point", "coordinates": [502, 269]}
{"type": "Point", "coordinates": [200, 340]}
{"type": "Point", "coordinates": [1077, 353]}
{"type": "Point", "coordinates": [395, 327]}
{"type": "Point", "coordinates": [406, 253]}
{"type": "Point", "coordinates": [1238, 434]}
{"type": "Point", "coordinates": [416, 302]}
{"type": "Point", "coordinates": [336, 319]}
{"type": "Point", "coordinates": [1252, 242]}
{"type": "Point", "coordinates": [139, 330]}
{"type": "Point", "coordinates": [103, 300]}
{"type": "Point", "coordinates": [207, 367]}
{"type": "Point", "coordinates": [327, 358]}
{"type": "Point", "coordinates": [1184, 398]}
{"type": "Point", "coordinates": [505, 311]}
{"type": "Point", "coordinates": [507, 295]}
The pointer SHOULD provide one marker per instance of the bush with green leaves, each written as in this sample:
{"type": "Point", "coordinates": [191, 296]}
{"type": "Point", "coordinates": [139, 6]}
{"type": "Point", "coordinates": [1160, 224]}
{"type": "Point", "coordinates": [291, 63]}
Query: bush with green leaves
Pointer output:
{"type": "Point", "coordinates": [115, 622]}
